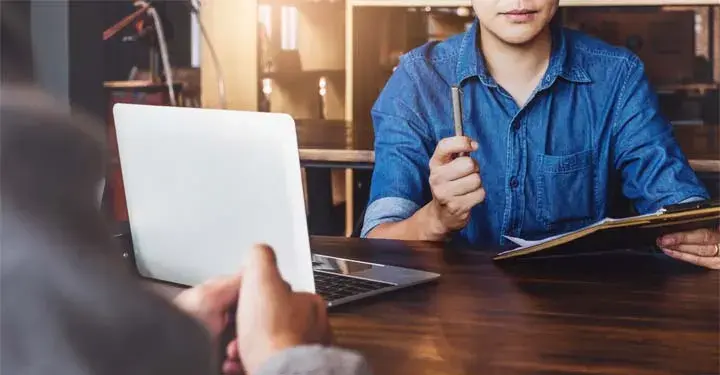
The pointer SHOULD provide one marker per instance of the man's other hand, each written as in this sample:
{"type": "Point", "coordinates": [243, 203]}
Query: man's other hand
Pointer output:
{"type": "Point", "coordinates": [700, 247]}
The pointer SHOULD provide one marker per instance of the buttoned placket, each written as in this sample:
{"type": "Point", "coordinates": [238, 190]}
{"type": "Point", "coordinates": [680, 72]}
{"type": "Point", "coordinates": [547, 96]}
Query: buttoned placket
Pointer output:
{"type": "Point", "coordinates": [516, 157]}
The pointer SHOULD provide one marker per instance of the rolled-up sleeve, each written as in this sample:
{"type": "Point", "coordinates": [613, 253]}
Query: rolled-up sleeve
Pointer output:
{"type": "Point", "coordinates": [654, 170]}
{"type": "Point", "coordinates": [387, 210]}
{"type": "Point", "coordinates": [403, 147]}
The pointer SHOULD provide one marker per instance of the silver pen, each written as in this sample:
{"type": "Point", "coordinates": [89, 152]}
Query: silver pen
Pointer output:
{"type": "Point", "coordinates": [457, 112]}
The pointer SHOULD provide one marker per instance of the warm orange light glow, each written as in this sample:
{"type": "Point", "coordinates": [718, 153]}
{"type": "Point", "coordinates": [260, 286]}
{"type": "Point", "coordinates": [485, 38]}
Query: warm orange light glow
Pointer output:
{"type": "Point", "coordinates": [323, 86]}
{"type": "Point", "coordinates": [265, 18]}
{"type": "Point", "coordinates": [267, 86]}
{"type": "Point", "coordinates": [289, 26]}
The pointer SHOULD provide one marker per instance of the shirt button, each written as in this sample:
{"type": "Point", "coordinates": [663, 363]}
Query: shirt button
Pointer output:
{"type": "Point", "coordinates": [516, 125]}
{"type": "Point", "coordinates": [514, 182]}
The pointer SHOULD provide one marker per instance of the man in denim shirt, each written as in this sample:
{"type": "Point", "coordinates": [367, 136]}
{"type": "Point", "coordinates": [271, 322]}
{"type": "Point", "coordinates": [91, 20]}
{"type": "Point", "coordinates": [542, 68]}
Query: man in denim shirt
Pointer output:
{"type": "Point", "coordinates": [558, 128]}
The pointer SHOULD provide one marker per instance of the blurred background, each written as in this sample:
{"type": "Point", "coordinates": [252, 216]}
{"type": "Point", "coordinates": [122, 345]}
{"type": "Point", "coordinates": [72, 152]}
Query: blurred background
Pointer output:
{"type": "Point", "coordinates": [324, 62]}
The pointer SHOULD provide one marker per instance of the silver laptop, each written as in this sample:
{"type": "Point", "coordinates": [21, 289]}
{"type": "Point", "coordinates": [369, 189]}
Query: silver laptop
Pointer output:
{"type": "Point", "coordinates": [204, 185]}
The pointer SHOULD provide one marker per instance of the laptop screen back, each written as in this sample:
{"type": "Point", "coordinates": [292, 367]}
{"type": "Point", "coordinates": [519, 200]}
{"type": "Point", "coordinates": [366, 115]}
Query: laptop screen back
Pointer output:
{"type": "Point", "coordinates": [204, 185]}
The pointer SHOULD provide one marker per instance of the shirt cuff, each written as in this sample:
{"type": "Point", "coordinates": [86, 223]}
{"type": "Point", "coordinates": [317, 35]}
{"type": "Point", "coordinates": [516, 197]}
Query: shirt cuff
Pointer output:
{"type": "Point", "coordinates": [387, 210]}
{"type": "Point", "coordinates": [693, 199]}
{"type": "Point", "coordinates": [684, 196]}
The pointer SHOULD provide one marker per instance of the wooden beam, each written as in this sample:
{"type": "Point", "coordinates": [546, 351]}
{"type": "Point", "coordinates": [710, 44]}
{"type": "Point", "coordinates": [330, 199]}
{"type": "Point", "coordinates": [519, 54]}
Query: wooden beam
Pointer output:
{"type": "Point", "coordinates": [716, 43]}
{"type": "Point", "coordinates": [232, 29]}
{"type": "Point", "coordinates": [349, 179]}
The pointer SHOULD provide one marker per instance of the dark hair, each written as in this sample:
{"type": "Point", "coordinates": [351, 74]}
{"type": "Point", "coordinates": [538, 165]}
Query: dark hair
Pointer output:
{"type": "Point", "coordinates": [51, 159]}
{"type": "Point", "coordinates": [51, 162]}
{"type": "Point", "coordinates": [61, 281]}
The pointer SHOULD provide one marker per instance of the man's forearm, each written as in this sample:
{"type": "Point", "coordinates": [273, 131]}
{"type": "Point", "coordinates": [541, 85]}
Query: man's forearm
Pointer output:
{"type": "Point", "coordinates": [315, 360]}
{"type": "Point", "coordinates": [423, 225]}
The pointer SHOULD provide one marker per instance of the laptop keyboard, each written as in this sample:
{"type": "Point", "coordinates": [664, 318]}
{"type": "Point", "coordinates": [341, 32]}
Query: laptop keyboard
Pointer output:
{"type": "Point", "coordinates": [333, 287]}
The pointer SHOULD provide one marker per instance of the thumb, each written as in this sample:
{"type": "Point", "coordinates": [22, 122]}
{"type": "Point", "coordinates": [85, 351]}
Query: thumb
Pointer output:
{"type": "Point", "coordinates": [261, 269]}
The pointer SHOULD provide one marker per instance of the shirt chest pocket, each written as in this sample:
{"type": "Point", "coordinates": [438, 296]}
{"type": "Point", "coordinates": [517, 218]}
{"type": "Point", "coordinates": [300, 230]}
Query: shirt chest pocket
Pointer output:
{"type": "Point", "coordinates": [566, 191]}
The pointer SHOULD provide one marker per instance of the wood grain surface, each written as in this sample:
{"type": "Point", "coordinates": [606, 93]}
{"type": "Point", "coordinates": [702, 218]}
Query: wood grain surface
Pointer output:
{"type": "Point", "coordinates": [619, 313]}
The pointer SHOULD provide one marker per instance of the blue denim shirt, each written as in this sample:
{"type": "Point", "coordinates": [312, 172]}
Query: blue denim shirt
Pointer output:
{"type": "Point", "coordinates": [590, 134]}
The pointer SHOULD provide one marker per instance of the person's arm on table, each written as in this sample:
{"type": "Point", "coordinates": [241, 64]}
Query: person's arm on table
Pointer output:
{"type": "Point", "coordinates": [654, 170]}
{"type": "Point", "coordinates": [419, 191]}
{"type": "Point", "coordinates": [456, 188]}
{"type": "Point", "coordinates": [423, 225]}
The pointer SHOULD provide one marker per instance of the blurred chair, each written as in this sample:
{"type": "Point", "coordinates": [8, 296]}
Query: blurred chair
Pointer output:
{"type": "Point", "coordinates": [357, 229]}
{"type": "Point", "coordinates": [137, 92]}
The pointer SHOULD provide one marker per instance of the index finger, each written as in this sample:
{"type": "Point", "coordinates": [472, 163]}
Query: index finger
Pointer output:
{"type": "Point", "coordinates": [697, 237]}
{"type": "Point", "coordinates": [223, 291]}
{"type": "Point", "coordinates": [232, 350]}
{"type": "Point", "coordinates": [448, 147]}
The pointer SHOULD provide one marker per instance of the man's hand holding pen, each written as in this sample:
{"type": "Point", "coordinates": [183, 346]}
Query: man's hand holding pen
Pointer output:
{"type": "Point", "coordinates": [454, 176]}
{"type": "Point", "coordinates": [455, 183]}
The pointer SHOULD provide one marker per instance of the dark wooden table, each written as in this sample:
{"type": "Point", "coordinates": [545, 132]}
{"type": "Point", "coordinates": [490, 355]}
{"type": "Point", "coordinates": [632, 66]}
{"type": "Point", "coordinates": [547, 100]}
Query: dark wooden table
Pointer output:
{"type": "Point", "coordinates": [619, 314]}
{"type": "Point", "coordinates": [627, 313]}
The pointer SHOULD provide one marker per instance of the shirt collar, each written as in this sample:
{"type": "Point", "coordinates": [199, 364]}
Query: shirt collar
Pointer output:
{"type": "Point", "coordinates": [562, 64]}
{"type": "Point", "coordinates": [470, 62]}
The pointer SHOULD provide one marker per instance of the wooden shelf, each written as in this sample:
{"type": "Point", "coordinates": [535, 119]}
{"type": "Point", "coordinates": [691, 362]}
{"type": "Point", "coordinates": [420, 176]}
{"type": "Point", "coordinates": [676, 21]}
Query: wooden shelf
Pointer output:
{"type": "Point", "coordinates": [302, 3]}
{"type": "Point", "coordinates": [567, 3]}
{"type": "Point", "coordinates": [297, 93]}
{"type": "Point", "coordinates": [675, 87]}
{"type": "Point", "coordinates": [409, 3]}
{"type": "Point", "coordinates": [281, 77]}
{"type": "Point", "coordinates": [705, 165]}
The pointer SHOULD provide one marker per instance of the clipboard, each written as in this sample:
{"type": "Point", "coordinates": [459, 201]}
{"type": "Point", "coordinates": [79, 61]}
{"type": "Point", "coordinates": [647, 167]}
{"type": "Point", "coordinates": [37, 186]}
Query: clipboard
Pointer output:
{"type": "Point", "coordinates": [626, 233]}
